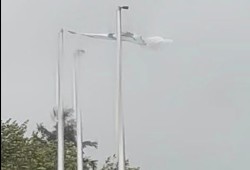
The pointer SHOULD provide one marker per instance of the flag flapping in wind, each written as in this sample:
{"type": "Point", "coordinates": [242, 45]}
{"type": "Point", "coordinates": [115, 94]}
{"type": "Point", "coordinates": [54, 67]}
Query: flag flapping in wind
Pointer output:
{"type": "Point", "coordinates": [130, 37]}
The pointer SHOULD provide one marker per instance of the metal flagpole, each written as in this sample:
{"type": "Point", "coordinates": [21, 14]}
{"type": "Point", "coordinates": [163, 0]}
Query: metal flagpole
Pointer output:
{"type": "Point", "coordinates": [119, 114]}
{"type": "Point", "coordinates": [119, 37]}
{"type": "Point", "coordinates": [60, 124]}
{"type": "Point", "coordinates": [77, 111]}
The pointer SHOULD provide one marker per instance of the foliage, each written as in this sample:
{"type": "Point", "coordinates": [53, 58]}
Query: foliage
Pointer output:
{"type": "Point", "coordinates": [111, 164]}
{"type": "Point", "coordinates": [39, 151]}
{"type": "Point", "coordinates": [36, 152]}
{"type": "Point", "coordinates": [14, 145]}
{"type": "Point", "coordinates": [69, 130]}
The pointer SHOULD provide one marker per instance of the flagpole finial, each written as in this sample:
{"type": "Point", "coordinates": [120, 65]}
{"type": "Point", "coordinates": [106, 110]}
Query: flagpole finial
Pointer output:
{"type": "Point", "coordinates": [123, 7]}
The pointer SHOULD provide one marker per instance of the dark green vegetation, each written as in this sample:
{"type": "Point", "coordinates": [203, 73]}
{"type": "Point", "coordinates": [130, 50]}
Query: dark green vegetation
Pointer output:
{"type": "Point", "coordinates": [39, 151]}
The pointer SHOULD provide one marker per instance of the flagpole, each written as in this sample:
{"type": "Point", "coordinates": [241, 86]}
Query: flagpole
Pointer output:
{"type": "Point", "coordinates": [60, 124]}
{"type": "Point", "coordinates": [119, 37]}
{"type": "Point", "coordinates": [77, 111]}
{"type": "Point", "coordinates": [119, 115]}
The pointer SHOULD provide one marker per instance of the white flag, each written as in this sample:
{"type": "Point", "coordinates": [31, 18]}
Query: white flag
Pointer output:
{"type": "Point", "coordinates": [130, 37]}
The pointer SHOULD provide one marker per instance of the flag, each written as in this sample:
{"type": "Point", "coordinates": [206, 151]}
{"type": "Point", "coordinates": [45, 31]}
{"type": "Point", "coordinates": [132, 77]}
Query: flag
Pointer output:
{"type": "Point", "coordinates": [129, 37]}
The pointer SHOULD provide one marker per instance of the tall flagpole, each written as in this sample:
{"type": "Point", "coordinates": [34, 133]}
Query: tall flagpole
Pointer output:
{"type": "Point", "coordinates": [77, 110]}
{"type": "Point", "coordinates": [119, 115]}
{"type": "Point", "coordinates": [60, 124]}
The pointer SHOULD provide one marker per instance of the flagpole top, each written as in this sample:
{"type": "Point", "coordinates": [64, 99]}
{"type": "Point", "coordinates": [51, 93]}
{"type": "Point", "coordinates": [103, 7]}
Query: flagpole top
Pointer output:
{"type": "Point", "coordinates": [123, 7]}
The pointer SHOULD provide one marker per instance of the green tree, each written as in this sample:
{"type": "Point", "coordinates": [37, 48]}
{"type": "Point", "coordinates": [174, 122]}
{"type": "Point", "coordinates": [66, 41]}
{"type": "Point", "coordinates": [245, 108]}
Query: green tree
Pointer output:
{"type": "Point", "coordinates": [111, 164]}
{"type": "Point", "coordinates": [37, 152]}
{"type": "Point", "coordinates": [69, 130]}
{"type": "Point", "coordinates": [69, 135]}
{"type": "Point", "coordinates": [24, 153]}
{"type": "Point", "coordinates": [34, 153]}
{"type": "Point", "coordinates": [13, 145]}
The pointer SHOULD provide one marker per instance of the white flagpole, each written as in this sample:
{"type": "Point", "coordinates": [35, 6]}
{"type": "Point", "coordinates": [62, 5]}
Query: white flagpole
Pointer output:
{"type": "Point", "coordinates": [119, 114]}
{"type": "Point", "coordinates": [119, 37]}
{"type": "Point", "coordinates": [77, 111]}
{"type": "Point", "coordinates": [60, 124]}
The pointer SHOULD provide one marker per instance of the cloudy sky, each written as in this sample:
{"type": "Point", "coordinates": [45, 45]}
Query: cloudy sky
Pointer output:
{"type": "Point", "coordinates": [186, 105]}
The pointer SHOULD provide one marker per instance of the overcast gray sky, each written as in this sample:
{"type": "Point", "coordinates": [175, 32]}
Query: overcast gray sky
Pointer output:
{"type": "Point", "coordinates": [186, 105]}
